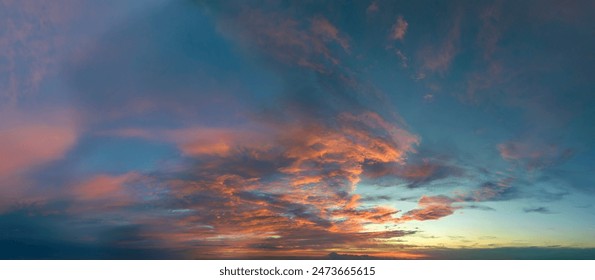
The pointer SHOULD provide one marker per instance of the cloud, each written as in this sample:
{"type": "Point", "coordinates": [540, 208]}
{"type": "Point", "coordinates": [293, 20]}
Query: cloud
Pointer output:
{"type": "Point", "coordinates": [372, 8]}
{"type": "Point", "coordinates": [34, 36]}
{"type": "Point", "coordinates": [375, 198]}
{"type": "Point", "coordinates": [291, 190]}
{"type": "Point", "coordinates": [399, 29]}
{"type": "Point", "coordinates": [15, 34]}
{"type": "Point", "coordinates": [280, 178]}
{"type": "Point", "coordinates": [196, 141]}
{"type": "Point", "coordinates": [431, 208]}
{"type": "Point", "coordinates": [28, 141]}
{"type": "Point", "coordinates": [103, 187]}
{"type": "Point", "coordinates": [491, 29]}
{"type": "Point", "coordinates": [286, 38]}
{"type": "Point", "coordinates": [439, 58]}
{"type": "Point", "coordinates": [491, 190]}
{"type": "Point", "coordinates": [404, 59]}
{"type": "Point", "coordinates": [533, 154]}
{"type": "Point", "coordinates": [480, 207]}
{"type": "Point", "coordinates": [486, 79]}
{"type": "Point", "coordinates": [439, 206]}
{"type": "Point", "coordinates": [288, 184]}
{"type": "Point", "coordinates": [275, 128]}
{"type": "Point", "coordinates": [323, 28]}
{"type": "Point", "coordinates": [429, 98]}
{"type": "Point", "coordinates": [540, 210]}
{"type": "Point", "coordinates": [415, 173]}
{"type": "Point", "coordinates": [284, 181]}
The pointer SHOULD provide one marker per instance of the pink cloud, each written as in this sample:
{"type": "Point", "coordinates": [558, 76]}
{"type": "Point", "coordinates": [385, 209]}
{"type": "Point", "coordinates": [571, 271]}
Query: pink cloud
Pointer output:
{"type": "Point", "coordinates": [102, 192]}
{"type": "Point", "coordinates": [27, 141]}
{"type": "Point", "coordinates": [198, 140]}
{"type": "Point", "coordinates": [322, 27]}
{"type": "Point", "coordinates": [287, 39]}
{"type": "Point", "coordinates": [373, 8]}
{"type": "Point", "coordinates": [208, 141]}
{"type": "Point", "coordinates": [33, 37]}
{"type": "Point", "coordinates": [399, 29]}
{"type": "Point", "coordinates": [101, 187]}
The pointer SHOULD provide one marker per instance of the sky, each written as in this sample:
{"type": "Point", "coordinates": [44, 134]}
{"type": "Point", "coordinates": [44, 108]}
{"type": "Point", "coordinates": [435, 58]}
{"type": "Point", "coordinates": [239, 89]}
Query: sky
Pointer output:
{"type": "Point", "coordinates": [186, 129]}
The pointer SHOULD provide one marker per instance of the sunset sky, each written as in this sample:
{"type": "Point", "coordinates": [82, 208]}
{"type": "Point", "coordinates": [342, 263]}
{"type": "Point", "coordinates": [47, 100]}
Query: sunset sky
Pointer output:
{"type": "Point", "coordinates": [180, 129]}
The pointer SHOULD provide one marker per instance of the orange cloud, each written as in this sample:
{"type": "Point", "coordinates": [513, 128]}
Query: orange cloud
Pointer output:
{"type": "Point", "coordinates": [289, 193]}
{"type": "Point", "coordinates": [431, 208]}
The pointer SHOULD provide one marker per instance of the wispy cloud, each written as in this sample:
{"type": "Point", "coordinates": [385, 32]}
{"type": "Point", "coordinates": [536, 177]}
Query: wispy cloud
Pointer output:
{"type": "Point", "coordinates": [540, 210]}
{"type": "Point", "coordinates": [322, 27]}
{"type": "Point", "coordinates": [415, 173]}
{"type": "Point", "coordinates": [399, 29]}
{"type": "Point", "coordinates": [294, 41]}
{"type": "Point", "coordinates": [438, 58]}
{"type": "Point", "coordinates": [533, 154]}
{"type": "Point", "coordinates": [372, 8]}
{"type": "Point", "coordinates": [491, 29]}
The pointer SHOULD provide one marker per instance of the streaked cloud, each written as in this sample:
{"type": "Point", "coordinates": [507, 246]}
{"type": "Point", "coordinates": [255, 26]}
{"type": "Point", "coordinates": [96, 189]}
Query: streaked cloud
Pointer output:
{"type": "Point", "coordinates": [533, 155]}
{"type": "Point", "coordinates": [327, 31]}
{"type": "Point", "coordinates": [295, 41]}
{"type": "Point", "coordinates": [415, 173]}
{"type": "Point", "coordinates": [540, 210]}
